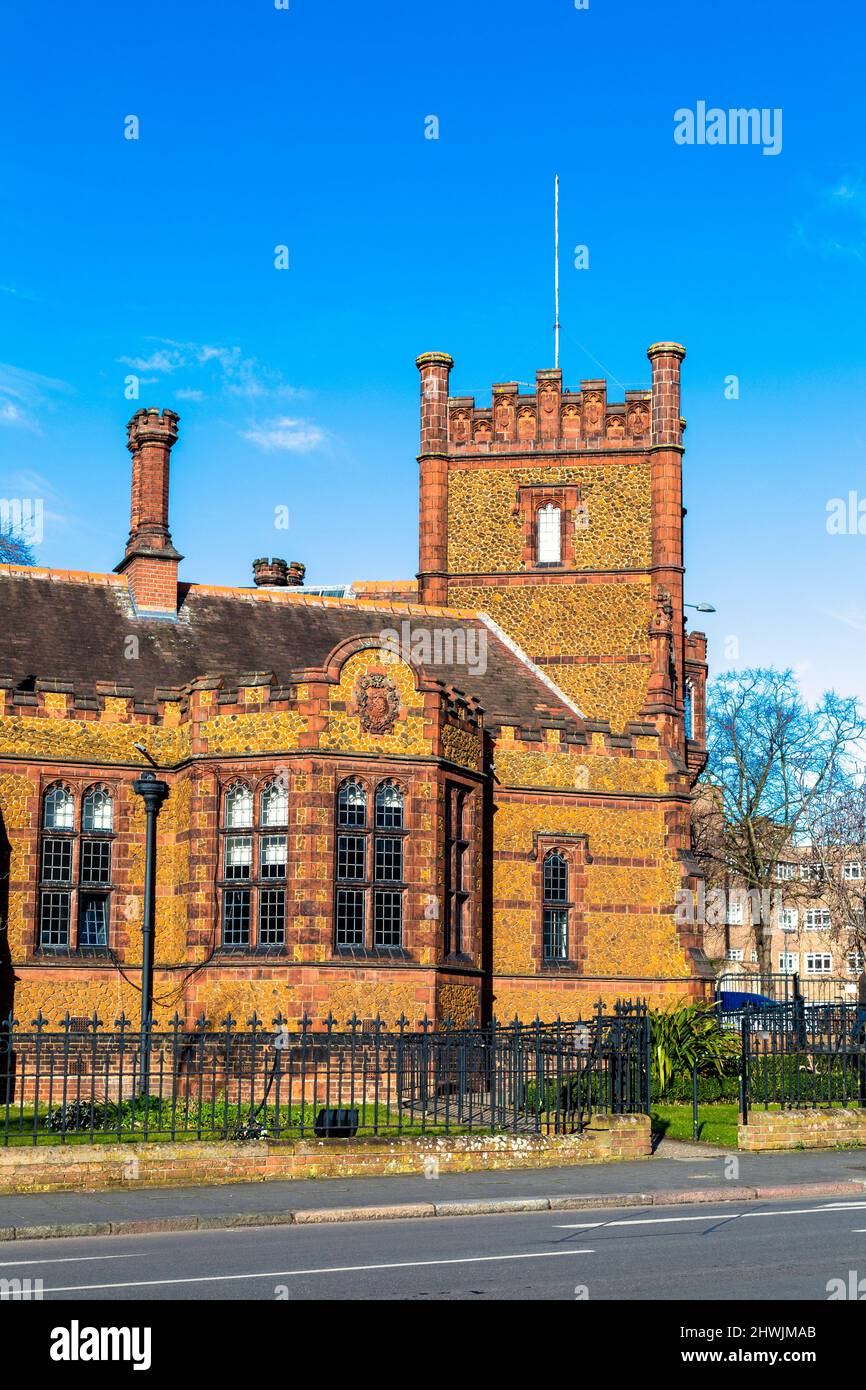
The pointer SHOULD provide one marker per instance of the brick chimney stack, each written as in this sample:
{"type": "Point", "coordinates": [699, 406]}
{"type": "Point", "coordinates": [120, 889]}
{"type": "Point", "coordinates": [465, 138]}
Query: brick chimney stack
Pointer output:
{"type": "Point", "coordinates": [666, 454]}
{"type": "Point", "coordinates": [150, 562]}
{"type": "Point", "coordinates": [435, 369]}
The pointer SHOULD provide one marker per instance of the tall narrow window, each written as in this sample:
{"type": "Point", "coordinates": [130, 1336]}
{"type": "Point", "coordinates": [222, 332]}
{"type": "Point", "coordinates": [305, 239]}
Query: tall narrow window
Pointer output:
{"type": "Point", "coordinates": [388, 867]}
{"type": "Point", "coordinates": [549, 535]}
{"type": "Point", "coordinates": [97, 825]}
{"type": "Point", "coordinates": [75, 870]}
{"type": "Point", "coordinates": [456, 871]}
{"type": "Point", "coordinates": [556, 907]}
{"type": "Point", "coordinates": [350, 903]}
{"type": "Point", "coordinates": [370, 868]}
{"type": "Point", "coordinates": [689, 712]}
{"type": "Point", "coordinates": [253, 867]}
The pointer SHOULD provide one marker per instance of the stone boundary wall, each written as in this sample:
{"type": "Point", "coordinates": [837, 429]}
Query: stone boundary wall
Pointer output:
{"type": "Point", "coordinates": [795, 1129]}
{"type": "Point", "coordinates": [94, 1167]}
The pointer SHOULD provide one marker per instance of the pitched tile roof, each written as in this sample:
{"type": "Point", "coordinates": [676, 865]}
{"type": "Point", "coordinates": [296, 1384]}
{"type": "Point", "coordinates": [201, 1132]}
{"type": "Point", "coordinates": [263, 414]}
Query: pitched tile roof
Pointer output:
{"type": "Point", "coordinates": [75, 627]}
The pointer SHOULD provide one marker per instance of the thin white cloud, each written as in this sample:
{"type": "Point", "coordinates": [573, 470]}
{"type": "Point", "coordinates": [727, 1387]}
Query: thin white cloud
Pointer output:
{"type": "Point", "coordinates": [12, 414]}
{"type": "Point", "coordinates": [226, 369]}
{"type": "Point", "coordinates": [22, 393]}
{"type": "Point", "coordinates": [14, 293]}
{"type": "Point", "coordinates": [184, 393]}
{"type": "Point", "coordinates": [852, 618]}
{"type": "Point", "coordinates": [834, 226]}
{"type": "Point", "coordinates": [161, 361]}
{"type": "Point", "coordinates": [286, 435]}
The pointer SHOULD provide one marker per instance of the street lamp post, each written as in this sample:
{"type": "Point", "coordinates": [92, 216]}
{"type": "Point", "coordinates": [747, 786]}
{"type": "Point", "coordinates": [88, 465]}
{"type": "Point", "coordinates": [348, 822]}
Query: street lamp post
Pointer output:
{"type": "Point", "coordinates": [153, 793]}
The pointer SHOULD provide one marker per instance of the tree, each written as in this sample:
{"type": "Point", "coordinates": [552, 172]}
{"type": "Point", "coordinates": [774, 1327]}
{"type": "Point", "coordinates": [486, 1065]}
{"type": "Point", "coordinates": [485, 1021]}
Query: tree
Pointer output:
{"type": "Point", "coordinates": [14, 549]}
{"type": "Point", "coordinates": [772, 761]}
{"type": "Point", "coordinates": [838, 834]}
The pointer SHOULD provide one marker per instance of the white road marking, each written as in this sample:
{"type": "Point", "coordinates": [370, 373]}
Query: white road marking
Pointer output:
{"type": "Point", "coordinates": [70, 1260]}
{"type": "Point", "coordinates": [647, 1221]}
{"type": "Point", "coordinates": [710, 1216]}
{"type": "Point", "coordinates": [336, 1269]}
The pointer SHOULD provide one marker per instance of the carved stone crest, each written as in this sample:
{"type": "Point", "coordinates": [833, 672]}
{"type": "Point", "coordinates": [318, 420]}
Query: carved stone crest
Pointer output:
{"type": "Point", "coordinates": [503, 415]}
{"type": "Point", "coordinates": [460, 427]}
{"type": "Point", "coordinates": [593, 413]}
{"type": "Point", "coordinates": [377, 702]}
{"type": "Point", "coordinates": [662, 618]}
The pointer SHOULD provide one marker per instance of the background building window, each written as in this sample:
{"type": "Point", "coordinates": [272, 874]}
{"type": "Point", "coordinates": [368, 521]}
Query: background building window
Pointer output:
{"type": "Point", "coordinates": [556, 908]}
{"type": "Point", "coordinates": [819, 963]}
{"type": "Point", "coordinates": [733, 953]}
{"type": "Point", "coordinates": [788, 919]}
{"type": "Point", "coordinates": [254, 866]}
{"type": "Point", "coordinates": [365, 914]}
{"type": "Point", "coordinates": [82, 862]}
{"type": "Point", "coordinates": [789, 962]}
{"type": "Point", "coordinates": [853, 870]}
{"type": "Point", "coordinates": [549, 535]}
{"type": "Point", "coordinates": [817, 918]}
{"type": "Point", "coordinates": [812, 873]}
{"type": "Point", "coordinates": [785, 871]}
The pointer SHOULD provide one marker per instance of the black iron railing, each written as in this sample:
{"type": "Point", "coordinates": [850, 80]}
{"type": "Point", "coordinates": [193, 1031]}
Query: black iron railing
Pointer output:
{"type": "Point", "coordinates": [83, 1082]}
{"type": "Point", "coordinates": [802, 1055]}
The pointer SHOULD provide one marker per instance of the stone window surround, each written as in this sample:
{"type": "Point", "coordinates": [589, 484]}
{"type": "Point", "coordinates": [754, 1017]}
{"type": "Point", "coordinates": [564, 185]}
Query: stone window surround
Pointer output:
{"type": "Point", "coordinates": [79, 787]}
{"type": "Point", "coordinates": [575, 850]}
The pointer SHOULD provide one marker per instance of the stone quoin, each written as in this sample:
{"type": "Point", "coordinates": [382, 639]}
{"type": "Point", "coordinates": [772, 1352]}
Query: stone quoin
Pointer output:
{"type": "Point", "coordinates": [461, 795]}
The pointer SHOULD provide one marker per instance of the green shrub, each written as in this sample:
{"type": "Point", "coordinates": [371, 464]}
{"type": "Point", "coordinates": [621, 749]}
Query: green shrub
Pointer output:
{"type": "Point", "coordinates": [689, 1035]}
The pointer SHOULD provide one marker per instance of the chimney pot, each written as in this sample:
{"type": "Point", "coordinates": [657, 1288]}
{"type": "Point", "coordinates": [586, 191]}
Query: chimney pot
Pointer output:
{"type": "Point", "coordinates": [270, 573]}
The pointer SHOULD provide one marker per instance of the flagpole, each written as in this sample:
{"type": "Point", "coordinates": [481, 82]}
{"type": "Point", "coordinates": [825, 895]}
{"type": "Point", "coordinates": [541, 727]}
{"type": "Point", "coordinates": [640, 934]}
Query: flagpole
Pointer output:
{"type": "Point", "coordinates": [556, 269]}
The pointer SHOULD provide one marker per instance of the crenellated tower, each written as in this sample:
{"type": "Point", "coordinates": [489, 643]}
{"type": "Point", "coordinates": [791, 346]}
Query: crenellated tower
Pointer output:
{"type": "Point", "coordinates": [558, 513]}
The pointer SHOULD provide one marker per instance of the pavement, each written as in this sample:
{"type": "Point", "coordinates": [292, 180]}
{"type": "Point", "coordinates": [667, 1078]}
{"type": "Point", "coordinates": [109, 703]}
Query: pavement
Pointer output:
{"type": "Point", "coordinates": [748, 1252]}
{"type": "Point", "coordinates": [680, 1174]}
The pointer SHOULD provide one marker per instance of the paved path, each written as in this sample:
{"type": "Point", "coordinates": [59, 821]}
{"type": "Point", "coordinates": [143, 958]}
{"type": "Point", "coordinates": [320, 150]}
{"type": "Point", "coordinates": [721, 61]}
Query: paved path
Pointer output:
{"type": "Point", "coordinates": [655, 1177]}
{"type": "Point", "coordinates": [746, 1252]}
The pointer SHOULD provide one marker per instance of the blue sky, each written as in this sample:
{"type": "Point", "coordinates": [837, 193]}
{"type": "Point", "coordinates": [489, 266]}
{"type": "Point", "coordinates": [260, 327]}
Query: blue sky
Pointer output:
{"type": "Point", "coordinates": [297, 388]}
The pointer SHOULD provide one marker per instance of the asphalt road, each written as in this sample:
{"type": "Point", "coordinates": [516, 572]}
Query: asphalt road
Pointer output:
{"type": "Point", "coordinates": [751, 1252]}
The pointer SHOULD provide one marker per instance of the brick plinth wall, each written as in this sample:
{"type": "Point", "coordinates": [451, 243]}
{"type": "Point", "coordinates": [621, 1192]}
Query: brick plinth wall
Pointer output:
{"type": "Point", "coordinates": [796, 1129]}
{"type": "Point", "coordinates": [88, 1167]}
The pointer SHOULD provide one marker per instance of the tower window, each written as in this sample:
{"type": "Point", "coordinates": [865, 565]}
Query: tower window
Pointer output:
{"type": "Point", "coordinates": [549, 535]}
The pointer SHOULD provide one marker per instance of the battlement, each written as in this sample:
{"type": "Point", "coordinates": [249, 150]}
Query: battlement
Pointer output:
{"type": "Point", "coordinates": [549, 418]}
{"type": "Point", "coordinates": [152, 425]}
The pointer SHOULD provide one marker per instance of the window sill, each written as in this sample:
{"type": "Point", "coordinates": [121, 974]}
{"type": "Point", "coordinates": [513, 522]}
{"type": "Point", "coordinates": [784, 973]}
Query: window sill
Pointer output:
{"type": "Point", "coordinates": [75, 952]}
{"type": "Point", "coordinates": [371, 953]}
{"type": "Point", "coordinates": [559, 965]}
{"type": "Point", "coordinates": [231, 952]}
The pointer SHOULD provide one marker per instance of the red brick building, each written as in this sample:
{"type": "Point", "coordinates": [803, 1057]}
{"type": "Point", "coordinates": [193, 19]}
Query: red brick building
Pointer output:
{"type": "Point", "coordinates": [462, 795]}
